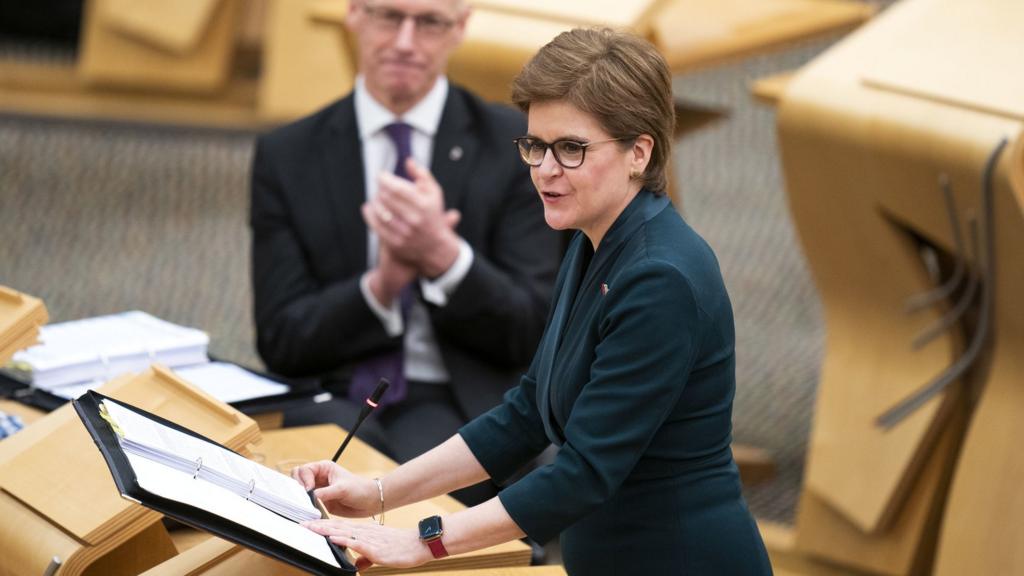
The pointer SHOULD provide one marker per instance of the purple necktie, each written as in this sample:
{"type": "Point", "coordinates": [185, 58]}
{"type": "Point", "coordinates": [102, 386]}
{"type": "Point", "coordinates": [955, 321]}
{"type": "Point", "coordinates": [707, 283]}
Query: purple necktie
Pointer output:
{"type": "Point", "coordinates": [390, 364]}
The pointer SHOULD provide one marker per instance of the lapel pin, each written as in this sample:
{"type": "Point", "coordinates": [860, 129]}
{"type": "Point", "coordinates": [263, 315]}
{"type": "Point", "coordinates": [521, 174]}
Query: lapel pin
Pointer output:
{"type": "Point", "coordinates": [455, 154]}
{"type": "Point", "coordinates": [604, 288]}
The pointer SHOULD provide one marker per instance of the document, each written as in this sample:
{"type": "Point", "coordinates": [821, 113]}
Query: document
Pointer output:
{"type": "Point", "coordinates": [176, 472]}
{"type": "Point", "coordinates": [230, 383]}
{"type": "Point", "coordinates": [101, 348]}
{"type": "Point", "coordinates": [210, 463]}
{"type": "Point", "coordinates": [180, 487]}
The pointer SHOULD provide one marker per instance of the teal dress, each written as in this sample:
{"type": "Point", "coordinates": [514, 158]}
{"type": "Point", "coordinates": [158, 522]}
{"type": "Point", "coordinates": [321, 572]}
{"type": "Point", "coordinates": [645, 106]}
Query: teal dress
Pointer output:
{"type": "Point", "coordinates": [633, 381]}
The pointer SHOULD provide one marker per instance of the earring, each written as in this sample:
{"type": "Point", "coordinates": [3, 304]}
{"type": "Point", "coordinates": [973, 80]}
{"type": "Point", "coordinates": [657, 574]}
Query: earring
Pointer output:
{"type": "Point", "coordinates": [634, 174]}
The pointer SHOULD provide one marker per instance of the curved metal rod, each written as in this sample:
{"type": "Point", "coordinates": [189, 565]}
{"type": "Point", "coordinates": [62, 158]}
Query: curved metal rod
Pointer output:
{"type": "Point", "coordinates": [960, 308]}
{"type": "Point", "coordinates": [908, 405]}
{"type": "Point", "coordinates": [925, 299]}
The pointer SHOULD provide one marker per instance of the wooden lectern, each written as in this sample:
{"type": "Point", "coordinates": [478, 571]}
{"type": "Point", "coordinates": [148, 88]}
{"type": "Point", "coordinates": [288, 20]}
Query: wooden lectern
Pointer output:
{"type": "Point", "coordinates": [60, 508]}
{"type": "Point", "coordinates": [904, 160]}
{"type": "Point", "coordinates": [285, 449]}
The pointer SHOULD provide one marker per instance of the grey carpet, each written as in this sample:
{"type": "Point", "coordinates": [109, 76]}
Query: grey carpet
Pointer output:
{"type": "Point", "coordinates": [97, 218]}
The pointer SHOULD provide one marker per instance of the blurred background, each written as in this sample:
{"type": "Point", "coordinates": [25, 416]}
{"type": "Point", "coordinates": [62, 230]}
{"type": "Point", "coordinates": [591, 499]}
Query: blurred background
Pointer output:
{"type": "Point", "coordinates": [126, 134]}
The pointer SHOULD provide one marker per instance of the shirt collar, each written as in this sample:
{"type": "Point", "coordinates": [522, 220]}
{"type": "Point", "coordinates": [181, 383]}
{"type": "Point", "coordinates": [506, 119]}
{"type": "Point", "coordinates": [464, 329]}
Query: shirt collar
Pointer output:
{"type": "Point", "coordinates": [425, 116]}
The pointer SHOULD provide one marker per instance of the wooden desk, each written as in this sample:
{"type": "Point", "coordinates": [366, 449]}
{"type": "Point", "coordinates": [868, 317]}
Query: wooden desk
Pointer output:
{"type": "Point", "coordinates": [697, 33]}
{"type": "Point", "coordinates": [290, 447]}
{"type": "Point", "coordinates": [518, 571]}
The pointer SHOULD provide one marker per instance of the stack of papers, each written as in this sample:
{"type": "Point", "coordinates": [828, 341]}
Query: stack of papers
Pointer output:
{"type": "Point", "coordinates": [77, 356]}
{"type": "Point", "coordinates": [101, 348]}
{"type": "Point", "coordinates": [20, 318]}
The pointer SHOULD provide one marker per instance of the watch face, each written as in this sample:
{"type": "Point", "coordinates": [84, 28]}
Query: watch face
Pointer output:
{"type": "Point", "coordinates": [430, 528]}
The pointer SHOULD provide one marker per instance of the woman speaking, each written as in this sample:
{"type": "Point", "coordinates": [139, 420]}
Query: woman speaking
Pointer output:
{"type": "Point", "coordinates": [633, 380]}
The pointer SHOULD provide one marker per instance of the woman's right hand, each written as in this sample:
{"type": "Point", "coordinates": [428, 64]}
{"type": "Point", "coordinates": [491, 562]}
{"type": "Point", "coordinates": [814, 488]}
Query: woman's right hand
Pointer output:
{"type": "Point", "coordinates": [343, 493]}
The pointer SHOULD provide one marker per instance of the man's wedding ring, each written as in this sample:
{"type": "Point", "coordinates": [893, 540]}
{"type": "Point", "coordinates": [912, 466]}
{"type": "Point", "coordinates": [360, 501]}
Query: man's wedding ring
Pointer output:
{"type": "Point", "coordinates": [385, 215]}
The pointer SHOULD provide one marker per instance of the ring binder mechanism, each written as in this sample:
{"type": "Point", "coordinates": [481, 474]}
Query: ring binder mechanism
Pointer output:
{"type": "Point", "coordinates": [141, 436]}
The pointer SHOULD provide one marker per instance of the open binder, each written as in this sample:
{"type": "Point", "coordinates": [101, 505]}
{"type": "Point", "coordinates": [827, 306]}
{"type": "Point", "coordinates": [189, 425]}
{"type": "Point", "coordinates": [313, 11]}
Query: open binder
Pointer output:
{"type": "Point", "coordinates": [228, 515]}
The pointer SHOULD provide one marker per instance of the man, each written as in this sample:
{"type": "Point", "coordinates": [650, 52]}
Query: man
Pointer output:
{"type": "Point", "coordinates": [362, 257]}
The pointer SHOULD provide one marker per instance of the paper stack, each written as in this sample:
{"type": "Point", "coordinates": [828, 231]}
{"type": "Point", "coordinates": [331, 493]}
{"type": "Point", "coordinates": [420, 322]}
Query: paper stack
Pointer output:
{"type": "Point", "coordinates": [77, 356]}
{"type": "Point", "coordinates": [95, 350]}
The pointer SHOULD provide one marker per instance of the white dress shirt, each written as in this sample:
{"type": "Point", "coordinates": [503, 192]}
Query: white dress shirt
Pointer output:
{"type": "Point", "coordinates": [423, 360]}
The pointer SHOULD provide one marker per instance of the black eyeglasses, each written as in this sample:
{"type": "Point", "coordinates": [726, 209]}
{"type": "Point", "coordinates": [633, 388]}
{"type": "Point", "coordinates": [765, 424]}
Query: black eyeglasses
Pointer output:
{"type": "Point", "coordinates": [568, 153]}
{"type": "Point", "coordinates": [390, 20]}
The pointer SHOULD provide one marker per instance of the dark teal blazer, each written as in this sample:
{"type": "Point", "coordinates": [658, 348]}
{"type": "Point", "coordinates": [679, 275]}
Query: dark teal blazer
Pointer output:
{"type": "Point", "coordinates": [633, 381]}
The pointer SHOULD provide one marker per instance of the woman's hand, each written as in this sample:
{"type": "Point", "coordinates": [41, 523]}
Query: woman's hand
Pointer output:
{"type": "Point", "coordinates": [342, 492]}
{"type": "Point", "coordinates": [381, 545]}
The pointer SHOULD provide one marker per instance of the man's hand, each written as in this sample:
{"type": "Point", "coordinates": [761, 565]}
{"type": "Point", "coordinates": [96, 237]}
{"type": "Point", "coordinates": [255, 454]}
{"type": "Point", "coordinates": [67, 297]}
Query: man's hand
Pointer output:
{"type": "Point", "coordinates": [391, 274]}
{"type": "Point", "coordinates": [411, 221]}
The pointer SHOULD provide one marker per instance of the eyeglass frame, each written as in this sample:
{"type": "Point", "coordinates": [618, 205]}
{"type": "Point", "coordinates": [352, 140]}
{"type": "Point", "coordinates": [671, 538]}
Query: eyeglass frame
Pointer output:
{"type": "Point", "coordinates": [551, 146]}
{"type": "Point", "coordinates": [386, 18]}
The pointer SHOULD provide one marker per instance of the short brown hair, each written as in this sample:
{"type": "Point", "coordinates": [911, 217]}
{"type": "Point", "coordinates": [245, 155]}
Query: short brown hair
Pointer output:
{"type": "Point", "coordinates": [618, 78]}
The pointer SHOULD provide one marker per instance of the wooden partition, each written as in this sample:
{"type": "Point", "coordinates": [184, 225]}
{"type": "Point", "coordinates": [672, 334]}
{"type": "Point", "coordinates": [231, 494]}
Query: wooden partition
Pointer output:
{"type": "Point", "coordinates": [181, 46]}
{"type": "Point", "coordinates": [57, 497]}
{"type": "Point", "coordinates": [21, 316]}
{"type": "Point", "coordinates": [911, 217]}
{"type": "Point", "coordinates": [697, 33]}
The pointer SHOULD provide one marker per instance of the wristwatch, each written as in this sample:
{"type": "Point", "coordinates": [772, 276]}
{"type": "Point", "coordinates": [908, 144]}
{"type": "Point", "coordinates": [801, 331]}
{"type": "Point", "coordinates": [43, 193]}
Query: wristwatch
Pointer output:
{"type": "Point", "coordinates": [430, 534]}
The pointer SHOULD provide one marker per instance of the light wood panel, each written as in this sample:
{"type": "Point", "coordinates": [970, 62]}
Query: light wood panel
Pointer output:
{"type": "Point", "coordinates": [984, 523]}
{"type": "Point", "coordinates": [906, 547]}
{"type": "Point", "coordinates": [109, 58]}
{"type": "Point", "coordinates": [173, 26]}
{"type": "Point", "coordinates": [635, 15]}
{"type": "Point", "coordinates": [21, 316]}
{"type": "Point", "coordinates": [769, 90]}
{"type": "Point", "coordinates": [57, 91]}
{"type": "Point", "coordinates": [856, 144]}
{"type": "Point", "coordinates": [307, 62]}
{"type": "Point", "coordinates": [787, 560]}
{"type": "Point", "coordinates": [517, 571]}
{"type": "Point", "coordinates": [695, 33]}
{"type": "Point", "coordinates": [853, 147]}
{"type": "Point", "coordinates": [975, 71]}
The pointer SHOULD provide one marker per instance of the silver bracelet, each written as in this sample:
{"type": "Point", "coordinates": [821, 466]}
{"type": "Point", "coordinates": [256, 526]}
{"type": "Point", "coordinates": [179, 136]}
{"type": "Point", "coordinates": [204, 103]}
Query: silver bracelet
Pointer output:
{"type": "Point", "coordinates": [380, 491]}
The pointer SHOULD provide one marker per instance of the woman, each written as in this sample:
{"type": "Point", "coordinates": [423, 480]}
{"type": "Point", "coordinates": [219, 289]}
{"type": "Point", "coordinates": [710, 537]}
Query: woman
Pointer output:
{"type": "Point", "coordinates": [633, 379]}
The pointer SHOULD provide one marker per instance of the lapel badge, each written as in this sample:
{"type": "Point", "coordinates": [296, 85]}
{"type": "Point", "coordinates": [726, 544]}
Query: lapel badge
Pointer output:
{"type": "Point", "coordinates": [455, 154]}
{"type": "Point", "coordinates": [604, 289]}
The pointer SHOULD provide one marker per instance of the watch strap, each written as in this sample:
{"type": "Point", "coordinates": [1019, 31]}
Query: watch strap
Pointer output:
{"type": "Point", "coordinates": [437, 548]}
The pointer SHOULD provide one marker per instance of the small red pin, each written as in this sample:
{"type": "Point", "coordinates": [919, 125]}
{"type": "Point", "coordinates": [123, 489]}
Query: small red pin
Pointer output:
{"type": "Point", "coordinates": [604, 288]}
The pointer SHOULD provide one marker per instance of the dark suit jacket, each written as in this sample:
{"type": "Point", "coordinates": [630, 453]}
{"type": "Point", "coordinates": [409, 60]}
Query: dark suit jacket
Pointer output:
{"type": "Point", "coordinates": [309, 249]}
{"type": "Point", "coordinates": [633, 381]}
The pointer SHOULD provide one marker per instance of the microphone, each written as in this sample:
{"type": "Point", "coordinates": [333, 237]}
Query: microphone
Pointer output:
{"type": "Point", "coordinates": [371, 404]}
